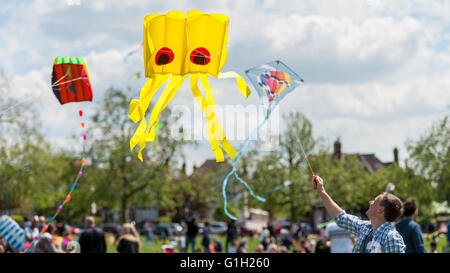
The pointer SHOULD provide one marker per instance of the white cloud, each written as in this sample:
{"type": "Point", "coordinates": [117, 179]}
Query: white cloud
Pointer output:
{"type": "Point", "coordinates": [374, 74]}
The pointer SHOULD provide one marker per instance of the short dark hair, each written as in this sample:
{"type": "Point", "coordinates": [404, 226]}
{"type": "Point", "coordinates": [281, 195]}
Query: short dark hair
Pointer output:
{"type": "Point", "coordinates": [409, 207]}
{"type": "Point", "coordinates": [393, 206]}
{"type": "Point", "coordinates": [51, 228]}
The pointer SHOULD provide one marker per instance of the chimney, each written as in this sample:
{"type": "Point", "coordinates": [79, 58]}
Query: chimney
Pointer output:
{"type": "Point", "coordinates": [396, 155]}
{"type": "Point", "coordinates": [337, 149]}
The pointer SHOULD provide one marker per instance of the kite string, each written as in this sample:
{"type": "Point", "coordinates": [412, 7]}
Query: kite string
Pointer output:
{"type": "Point", "coordinates": [79, 78]}
{"type": "Point", "coordinates": [74, 184]}
{"type": "Point", "coordinates": [17, 104]}
{"type": "Point", "coordinates": [65, 75]}
{"type": "Point", "coordinates": [304, 154]}
{"type": "Point", "coordinates": [34, 97]}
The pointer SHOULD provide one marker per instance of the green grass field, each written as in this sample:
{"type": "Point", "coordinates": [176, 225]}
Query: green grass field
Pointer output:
{"type": "Point", "coordinates": [441, 242]}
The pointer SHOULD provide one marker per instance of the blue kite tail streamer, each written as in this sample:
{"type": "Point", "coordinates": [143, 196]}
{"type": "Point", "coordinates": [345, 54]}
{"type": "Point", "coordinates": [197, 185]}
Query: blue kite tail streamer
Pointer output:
{"type": "Point", "coordinates": [279, 187]}
{"type": "Point", "coordinates": [224, 193]}
{"type": "Point", "coordinates": [249, 189]}
{"type": "Point", "coordinates": [240, 153]}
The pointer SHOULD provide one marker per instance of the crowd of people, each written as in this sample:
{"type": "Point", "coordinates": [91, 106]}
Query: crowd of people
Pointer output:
{"type": "Point", "coordinates": [344, 234]}
{"type": "Point", "coordinates": [331, 239]}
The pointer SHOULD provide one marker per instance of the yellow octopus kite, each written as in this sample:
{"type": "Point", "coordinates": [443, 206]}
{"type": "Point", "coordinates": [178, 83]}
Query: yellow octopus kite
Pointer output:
{"type": "Point", "coordinates": [176, 45]}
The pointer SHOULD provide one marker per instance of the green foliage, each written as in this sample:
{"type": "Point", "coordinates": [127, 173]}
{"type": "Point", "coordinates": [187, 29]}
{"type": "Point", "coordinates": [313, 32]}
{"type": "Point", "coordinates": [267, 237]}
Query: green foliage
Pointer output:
{"type": "Point", "coordinates": [164, 219]}
{"type": "Point", "coordinates": [430, 157]}
{"type": "Point", "coordinates": [286, 163]}
{"type": "Point", "coordinates": [123, 180]}
{"type": "Point", "coordinates": [17, 218]}
{"type": "Point", "coordinates": [408, 186]}
{"type": "Point", "coordinates": [346, 180]}
{"type": "Point", "coordinates": [219, 213]}
{"type": "Point", "coordinates": [34, 177]}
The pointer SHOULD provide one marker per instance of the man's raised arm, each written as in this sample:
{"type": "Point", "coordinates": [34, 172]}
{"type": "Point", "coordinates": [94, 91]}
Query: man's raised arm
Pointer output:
{"type": "Point", "coordinates": [332, 208]}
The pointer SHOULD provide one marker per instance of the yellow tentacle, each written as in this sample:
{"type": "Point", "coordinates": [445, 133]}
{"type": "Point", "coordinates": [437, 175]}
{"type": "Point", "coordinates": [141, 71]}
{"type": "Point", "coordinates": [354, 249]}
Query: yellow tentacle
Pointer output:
{"type": "Point", "coordinates": [210, 115]}
{"type": "Point", "coordinates": [218, 130]}
{"type": "Point", "coordinates": [138, 108]}
{"type": "Point", "coordinates": [242, 86]}
{"type": "Point", "coordinates": [166, 96]}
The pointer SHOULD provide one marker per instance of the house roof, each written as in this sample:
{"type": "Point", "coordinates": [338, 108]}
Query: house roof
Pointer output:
{"type": "Point", "coordinates": [371, 162]}
{"type": "Point", "coordinates": [209, 165]}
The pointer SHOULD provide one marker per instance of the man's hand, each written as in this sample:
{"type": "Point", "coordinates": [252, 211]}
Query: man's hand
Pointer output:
{"type": "Point", "coordinates": [332, 208]}
{"type": "Point", "coordinates": [318, 184]}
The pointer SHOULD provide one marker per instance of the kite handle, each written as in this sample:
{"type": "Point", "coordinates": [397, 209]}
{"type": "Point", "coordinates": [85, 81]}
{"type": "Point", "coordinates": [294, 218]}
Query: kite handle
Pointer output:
{"type": "Point", "coordinates": [314, 181]}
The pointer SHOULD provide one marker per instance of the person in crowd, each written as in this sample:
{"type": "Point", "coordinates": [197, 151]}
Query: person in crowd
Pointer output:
{"type": "Point", "coordinates": [264, 238]}
{"type": "Point", "coordinates": [272, 247]}
{"type": "Point", "coordinates": [322, 245]}
{"type": "Point", "coordinates": [305, 246]}
{"type": "Point", "coordinates": [32, 231]}
{"type": "Point", "coordinates": [242, 248]}
{"type": "Point", "coordinates": [433, 247]}
{"type": "Point", "coordinates": [232, 233]}
{"type": "Point", "coordinates": [431, 228]}
{"type": "Point", "coordinates": [3, 245]}
{"type": "Point", "coordinates": [284, 249]}
{"type": "Point", "coordinates": [297, 231]}
{"type": "Point", "coordinates": [233, 247]}
{"type": "Point", "coordinates": [46, 243]}
{"type": "Point", "coordinates": [26, 222]}
{"type": "Point", "coordinates": [244, 243]}
{"type": "Point", "coordinates": [340, 239]}
{"type": "Point", "coordinates": [259, 249]}
{"type": "Point", "coordinates": [129, 241]}
{"type": "Point", "coordinates": [206, 236]}
{"type": "Point", "coordinates": [286, 239]}
{"type": "Point", "coordinates": [375, 235]}
{"type": "Point", "coordinates": [191, 234]}
{"type": "Point", "coordinates": [67, 239]}
{"type": "Point", "coordinates": [410, 230]}
{"type": "Point", "coordinates": [148, 232]}
{"type": "Point", "coordinates": [448, 233]}
{"type": "Point", "coordinates": [218, 245]}
{"type": "Point", "coordinates": [211, 246]}
{"type": "Point", "coordinates": [271, 230]}
{"type": "Point", "coordinates": [92, 239]}
{"type": "Point", "coordinates": [42, 222]}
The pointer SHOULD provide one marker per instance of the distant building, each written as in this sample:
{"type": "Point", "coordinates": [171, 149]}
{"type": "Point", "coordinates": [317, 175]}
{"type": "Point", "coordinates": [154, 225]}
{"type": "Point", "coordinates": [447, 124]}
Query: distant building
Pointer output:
{"type": "Point", "coordinates": [370, 161]}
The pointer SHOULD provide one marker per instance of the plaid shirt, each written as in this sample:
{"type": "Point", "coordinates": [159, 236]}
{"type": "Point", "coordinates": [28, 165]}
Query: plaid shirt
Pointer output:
{"type": "Point", "coordinates": [385, 239]}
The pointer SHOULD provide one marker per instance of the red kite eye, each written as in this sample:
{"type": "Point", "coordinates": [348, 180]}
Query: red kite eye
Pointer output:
{"type": "Point", "coordinates": [164, 56]}
{"type": "Point", "coordinates": [200, 56]}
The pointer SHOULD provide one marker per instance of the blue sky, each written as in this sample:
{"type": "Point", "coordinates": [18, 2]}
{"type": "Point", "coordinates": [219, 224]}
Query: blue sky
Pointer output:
{"type": "Point", "coordinates": [376, 72]}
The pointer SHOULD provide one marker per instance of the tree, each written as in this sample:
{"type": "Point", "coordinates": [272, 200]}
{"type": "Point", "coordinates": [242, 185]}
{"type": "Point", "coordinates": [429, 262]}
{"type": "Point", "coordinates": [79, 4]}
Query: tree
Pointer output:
{"type": "Point", "coordinates": [287, 163]}
{"type": "Point", "coordinates": [270, 173]}
{"type": "Point", "coordinates": [33, 176]}
{"type": "Point", "coordinates": [430, 157]}
{"type": "Point", "coordinates": [346, 180]}
{"type": "Point", "coordinates": [408, 185]}
{"type": "Point", "coordinates": [123, 178]}
{"type": "Point", "coordinates": [296, 141]}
